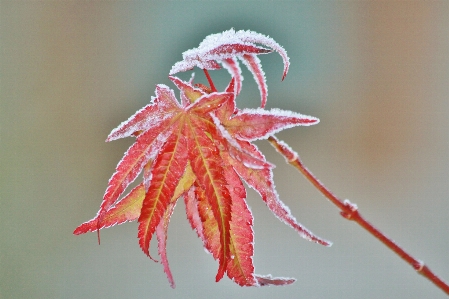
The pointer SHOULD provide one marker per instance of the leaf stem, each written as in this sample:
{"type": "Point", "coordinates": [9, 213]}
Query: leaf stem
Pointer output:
{"type": "Point", "coordinates": [350, 212]}
{"type": "Point", "coordinates": [209, 79]}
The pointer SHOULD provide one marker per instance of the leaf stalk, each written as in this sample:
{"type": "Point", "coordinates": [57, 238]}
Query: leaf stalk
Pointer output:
{"type": "Point", "coordinates": [209, 79]}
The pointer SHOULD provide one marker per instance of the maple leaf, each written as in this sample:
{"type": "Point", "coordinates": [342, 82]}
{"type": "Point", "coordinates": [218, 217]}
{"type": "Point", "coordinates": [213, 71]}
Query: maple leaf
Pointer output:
{"type": "Point", "coordinates": [200, 149]}
{"type": "Point", "coordinates": [224, 48]}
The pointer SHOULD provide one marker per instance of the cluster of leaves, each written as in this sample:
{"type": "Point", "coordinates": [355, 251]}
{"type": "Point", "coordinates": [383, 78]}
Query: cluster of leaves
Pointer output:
{"type": "Point", "coordinates": [200, 149]}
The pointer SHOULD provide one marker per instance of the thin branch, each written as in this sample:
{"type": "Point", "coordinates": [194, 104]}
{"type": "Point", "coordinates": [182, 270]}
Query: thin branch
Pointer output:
{"type": "Point", "coordinates": [209, 79]}
{"type": "Point", "coordinates": [350, 212]}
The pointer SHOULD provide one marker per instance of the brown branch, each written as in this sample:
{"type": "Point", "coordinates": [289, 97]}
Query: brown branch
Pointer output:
{"type": "Point", "coordinates": [350, 212]}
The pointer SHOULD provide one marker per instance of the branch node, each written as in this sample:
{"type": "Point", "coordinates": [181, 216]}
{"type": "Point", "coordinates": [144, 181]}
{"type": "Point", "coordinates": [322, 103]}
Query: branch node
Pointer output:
{"type": "Point", "coordinates": [418, 265]}
{"type": "Point", "coordinates": [289, 154]}
{"type": "Point", "coordinates": [350, 211]}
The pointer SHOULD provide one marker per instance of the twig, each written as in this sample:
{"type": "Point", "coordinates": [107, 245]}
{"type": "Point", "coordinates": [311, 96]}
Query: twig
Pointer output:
{"type": "Point", "coordinates": [350, 212]}
{"type": "Point", "coordinates": [209, 79]}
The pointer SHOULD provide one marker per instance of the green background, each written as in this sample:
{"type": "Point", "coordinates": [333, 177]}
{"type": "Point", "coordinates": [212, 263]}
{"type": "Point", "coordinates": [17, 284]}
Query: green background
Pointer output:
{"type": "Point", "coordinates": [375, 73]}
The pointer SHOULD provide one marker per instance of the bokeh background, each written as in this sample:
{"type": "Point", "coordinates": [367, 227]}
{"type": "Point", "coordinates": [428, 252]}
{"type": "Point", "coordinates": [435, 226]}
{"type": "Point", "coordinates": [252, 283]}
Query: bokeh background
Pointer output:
{"type": "Point", "coordinates": [376, 74]}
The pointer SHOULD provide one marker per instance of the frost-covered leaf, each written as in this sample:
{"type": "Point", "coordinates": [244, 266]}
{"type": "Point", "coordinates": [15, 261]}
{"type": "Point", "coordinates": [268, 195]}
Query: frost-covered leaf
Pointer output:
{"type": "Point", "coordinates": [225, 47]}
{"type": "Point", "coordinates": [207, 229]}
{"type": "Point", "coordinates": [164, 106]}
{"type": "Point", "coordinates": [187, 89]}
{"type": "Point", "coordinates": [261, 181]}
{"type": "Point", "coordinates": [138, 155]}
{"type": "Point", "coordinates": [193, 215]}
{"type": "Point", "coordinates": [168, 168]}
{"type": "Point", "coordinates": [240, 266]}
{"type": "Point", "coordinates": [161, 233]}
{"type": "Point", "coordinates": [233, 67]}
{"type": "Point", "coordinates": [252, 124]}
{"type": "Point", "coordinates": [128, 209]}
{"type": "Point", "coordinates": [200, 148]}
{"type": "Point", "coordinates": [252, 62]}
{"type": "Point", "coordinates": [207, 166]}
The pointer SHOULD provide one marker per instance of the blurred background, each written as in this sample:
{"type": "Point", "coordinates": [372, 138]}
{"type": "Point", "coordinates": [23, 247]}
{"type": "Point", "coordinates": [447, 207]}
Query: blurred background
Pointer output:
{"type": "Point", "coordinates": [376, 74]}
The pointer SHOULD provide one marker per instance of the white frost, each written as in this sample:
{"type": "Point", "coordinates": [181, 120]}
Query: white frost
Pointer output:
{"type": "Point", "coordinates": [235, 71]}
{"type": "Point", "coordinates": [204, 57]}
{"type": "Point", "coordinates": [258, 74]}
{"type": "Point", "coordinates": [248, 133]}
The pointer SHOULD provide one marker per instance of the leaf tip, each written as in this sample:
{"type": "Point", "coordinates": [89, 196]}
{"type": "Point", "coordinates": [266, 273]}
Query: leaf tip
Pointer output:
{"type": "Point", "coordinates": [285, 72]}
{"type": "Point", "coordinates": [78, 231]}
{"type": "Point", "coordinates": [268, 280]}
{"type": "Point", "coordinates": [221, 271]}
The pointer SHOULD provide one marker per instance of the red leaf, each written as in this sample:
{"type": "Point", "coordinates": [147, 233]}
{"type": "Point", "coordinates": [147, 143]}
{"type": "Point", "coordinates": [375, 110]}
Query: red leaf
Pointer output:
{"type": "Point", "coordinates": [202, 103]}
{"type": "Point", "coordinates": [254, 37]}
{"type": "Point", "coordinates": [128, 209]}
{"type": "Point", "coordinates": [252, 124]}
{"type": "Point", "coordinates": [161, 233]}
{"type": "Point", "coordinates": [184, 184]}
{"type": "Point", "coordinates": [210, 102]}
{"type": "Point", "coordinates": [229, 50]}
{"type": "Point", "coordinates": [232, 65]}
{"type": "Point", "coordinates": [206, 164]}
{"type": "Point", "coordinates": [261, 181]}
{"type": "Point", "coordinates": [239, 152]}
{"type": "Point", "coordinates": [240, 266]}
{"type": "Point", "coordinates": [200, 149]}
{"type": "Point", "coordinates": [227, 45]}
{"type": "Point", "coordinates": [147, 174]}
{"type": "Point", "coordinates": [252, 62]}
{"type": "Point", "coordinates": [210, 232]}
{"type": "Point", "coordinates": [193, 215]}
{"type": "Point", "coordinates": [143, 150]}
{"type": "Point", "coordinates": [164, 106]}
{"type": "Point", "coordinates": [192, 93]}
{"type": "Point", "coordinates": [205, 56]}
{"type": "Point", "coordinates": [228, 108]}
{"type": "Point", "coordinates": [166, 173]}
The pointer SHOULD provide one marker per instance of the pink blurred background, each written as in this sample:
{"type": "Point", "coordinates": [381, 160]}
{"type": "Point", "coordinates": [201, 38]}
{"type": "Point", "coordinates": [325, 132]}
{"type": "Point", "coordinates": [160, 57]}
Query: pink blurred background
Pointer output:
{"type": "Point", "coordinates": [376, 74]}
